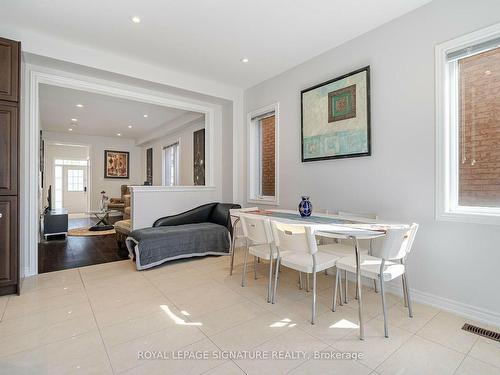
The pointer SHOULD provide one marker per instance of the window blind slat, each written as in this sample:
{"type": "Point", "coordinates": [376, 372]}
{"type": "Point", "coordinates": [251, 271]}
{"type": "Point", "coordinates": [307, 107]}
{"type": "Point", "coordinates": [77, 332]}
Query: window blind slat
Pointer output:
{"type": "Point", "coordinates": [473, 50]}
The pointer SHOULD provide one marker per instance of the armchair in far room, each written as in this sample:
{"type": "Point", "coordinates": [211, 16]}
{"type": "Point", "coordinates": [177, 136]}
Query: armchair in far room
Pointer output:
{"type": "Point", "coordinates": [119, 203]}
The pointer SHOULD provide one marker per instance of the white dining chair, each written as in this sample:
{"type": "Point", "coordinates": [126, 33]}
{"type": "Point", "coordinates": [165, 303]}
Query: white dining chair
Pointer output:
{"type": "Point", "coordinates": [260, 243]}
{"type": "Point", "coordinates": [237, 230]}
{"type": "Point", "coordinates": [297, 249]}
{"type": "Point", "coordinates": [389, 264]}
{"type": "Point", "coordinates": [344, 248]}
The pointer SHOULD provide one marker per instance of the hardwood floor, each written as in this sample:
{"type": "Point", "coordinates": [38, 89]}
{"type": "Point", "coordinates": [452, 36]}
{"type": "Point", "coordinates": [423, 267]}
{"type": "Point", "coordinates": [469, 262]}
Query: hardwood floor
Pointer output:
{"type": "Point", "coordinates": [59, 253]}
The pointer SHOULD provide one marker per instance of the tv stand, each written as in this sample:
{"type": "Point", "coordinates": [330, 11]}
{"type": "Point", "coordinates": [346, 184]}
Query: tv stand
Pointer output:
{"type": "Point", "coordinates": [55, 222]}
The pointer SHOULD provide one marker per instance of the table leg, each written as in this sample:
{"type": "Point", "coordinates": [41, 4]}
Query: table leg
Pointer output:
{"type": "Point", "coordinates": [233, 240]}
{"type": "Point", "coordinates": [358, 288]}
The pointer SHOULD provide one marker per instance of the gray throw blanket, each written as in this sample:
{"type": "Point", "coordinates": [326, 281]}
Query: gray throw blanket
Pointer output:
{"type": "Point", "coordinates": [153, 246]}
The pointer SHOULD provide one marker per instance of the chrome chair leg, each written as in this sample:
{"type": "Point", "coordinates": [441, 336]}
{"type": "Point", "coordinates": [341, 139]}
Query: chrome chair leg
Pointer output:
{"type": "Point", "coordinates": [403, 280]}
{"type": "Point", "coordinates": [345, 287]}
{"type": "Point", "coordinates": [233, 240]}
{"type": "Point", "coordinates": [405, 297]}
{"type": "Point", "coordinates": [340, 289]}
{"type": "Point", "coordinates": [375, 287]}
{"type": "Point", "coordinates": [307, 283]}
{"type": "Point", "coordinates": [313, 318]}
{"type": "Point", "coordinates": [255, 268]}
{"type": "Point", "coordinates": [269, 286]}
{"type": "Point", "coordinates": [301, 285]}
{"type": "Point", "coordinates": [278, 260]}
{"type": "Point", "coordinates": [233, 243]}
{"type": "Point", "coordinates": [244, 275]}
{"type": "Point", "coordinates": [408, 297]}
{"type": "Point", "coordinates": [382, 293]}
{"type": "Point", "coordinates": [335, 288]}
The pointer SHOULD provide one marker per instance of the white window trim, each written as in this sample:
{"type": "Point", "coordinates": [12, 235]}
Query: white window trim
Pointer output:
{"type": "Point", "coordinates": [447, 138]}
{"type": "Point", "coordinates": [178, 161]}
{"type": "Point", "coordinates": [252, 184]}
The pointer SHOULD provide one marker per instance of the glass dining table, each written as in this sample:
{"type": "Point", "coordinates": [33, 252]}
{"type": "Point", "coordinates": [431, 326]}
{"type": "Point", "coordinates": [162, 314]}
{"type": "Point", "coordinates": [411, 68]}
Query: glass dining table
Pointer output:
{"type": "Point", "coordinates": [332, 226]}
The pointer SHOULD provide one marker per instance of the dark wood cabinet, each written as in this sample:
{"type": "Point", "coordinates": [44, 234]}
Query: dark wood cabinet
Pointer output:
{"type": "Point", "coordinates": [9, 276]}
{"type": "Point", "coordinates": [9, 165]}
{"type": "Point", "coordinates": [9, 70]}
{"type": "Point", "coordinates": [8, 149]}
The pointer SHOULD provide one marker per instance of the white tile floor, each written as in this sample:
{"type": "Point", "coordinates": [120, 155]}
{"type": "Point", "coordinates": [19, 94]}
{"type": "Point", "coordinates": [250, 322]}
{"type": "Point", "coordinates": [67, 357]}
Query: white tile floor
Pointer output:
{"type": "Point", "coordinates": [95, 320]}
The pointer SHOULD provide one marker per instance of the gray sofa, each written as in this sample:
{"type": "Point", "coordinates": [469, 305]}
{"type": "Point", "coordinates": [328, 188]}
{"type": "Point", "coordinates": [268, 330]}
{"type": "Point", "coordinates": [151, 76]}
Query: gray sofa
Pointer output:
{"type": "Point", "coordinates": [204, 230]}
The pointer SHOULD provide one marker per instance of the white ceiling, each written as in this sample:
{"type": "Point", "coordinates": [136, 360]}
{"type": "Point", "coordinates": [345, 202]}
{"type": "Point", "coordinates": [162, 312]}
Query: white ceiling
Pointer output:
{"type": "Point", "coordinates": [208, 38]}
{"type": "Point", "coordinates": [101, 115]}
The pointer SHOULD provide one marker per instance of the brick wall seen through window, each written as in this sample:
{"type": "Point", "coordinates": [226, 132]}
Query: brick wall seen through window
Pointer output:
{"type": "Point", "coordinates": [268, 165]}
{"type": "Point", "coordinates": [479, 130]}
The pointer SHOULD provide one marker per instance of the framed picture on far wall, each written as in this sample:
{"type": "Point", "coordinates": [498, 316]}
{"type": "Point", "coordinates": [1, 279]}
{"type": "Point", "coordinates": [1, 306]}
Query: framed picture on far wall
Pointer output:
{"type": "Point", "coordinates": [199, 157]}
{"type": "Point", "coordinates": [116, 164]}
{"type": "Point", "coordinates": [149, 166]}
{"type": "Point", "coordinates": [335, 118]}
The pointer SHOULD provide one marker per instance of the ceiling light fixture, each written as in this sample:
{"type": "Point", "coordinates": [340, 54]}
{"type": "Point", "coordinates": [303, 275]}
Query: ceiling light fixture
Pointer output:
{"type": "Point", "coordinates": [244, 60]}
{"type": "Point", "coordinates": [119, 134]}
{"type": "Point", "coordinates": [79, 105]}
{"type": "Point", "coordinates": [135, 19]}
{"type": "Point", "coordinates": [70, 129]}
{"type": "Point", "coordinates": [74, 119]}
{"type": "Point", "coordinates": [130, 126]}
{"type": "Point", "coordinates": [145, 116]}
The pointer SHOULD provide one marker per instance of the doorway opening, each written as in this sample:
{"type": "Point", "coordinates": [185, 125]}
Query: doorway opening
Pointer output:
{"type": "Point", "coordinates": [68, 178]}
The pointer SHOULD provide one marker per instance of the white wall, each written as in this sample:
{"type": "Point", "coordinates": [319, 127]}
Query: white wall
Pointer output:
{"type": "Point", "coordinates": [150, 203]}
{"type": "Point", "coordinates": [452, 263]}
{"type": "Point", "coordinates": [185, 139]}
{"type": "Point", "coordinates": [97, 147]}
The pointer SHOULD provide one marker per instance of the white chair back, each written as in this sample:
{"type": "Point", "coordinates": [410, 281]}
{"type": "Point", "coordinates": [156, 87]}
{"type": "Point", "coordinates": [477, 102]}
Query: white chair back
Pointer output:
{"type": "Point", "coordinates": [398, 242]}
{"type": "Point", "coordinates": [234, 212]}
{"type": "Point", "coordinates": [354, 215]}
{"type": "Point", "coordinates": [294, 238]}
{"type": "Point", "coordinates": [257, 229]}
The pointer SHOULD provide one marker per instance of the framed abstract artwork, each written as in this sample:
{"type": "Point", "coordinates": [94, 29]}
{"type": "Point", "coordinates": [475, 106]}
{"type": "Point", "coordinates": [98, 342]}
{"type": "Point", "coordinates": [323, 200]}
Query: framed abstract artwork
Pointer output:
{"type": "Point", "coordinates": [116, 164]}
{"type": "Point", "coordinates": [335, 118]}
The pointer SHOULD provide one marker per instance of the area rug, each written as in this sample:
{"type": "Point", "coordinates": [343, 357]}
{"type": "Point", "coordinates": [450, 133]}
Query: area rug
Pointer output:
{"type": "Point", "coordinates": [85, 232]}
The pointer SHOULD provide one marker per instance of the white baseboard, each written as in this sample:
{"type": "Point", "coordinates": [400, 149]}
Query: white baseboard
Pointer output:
{"type": "Point", "coordinates": [474, 313]}
{"type": "Point", "coordinates": [491, 318]}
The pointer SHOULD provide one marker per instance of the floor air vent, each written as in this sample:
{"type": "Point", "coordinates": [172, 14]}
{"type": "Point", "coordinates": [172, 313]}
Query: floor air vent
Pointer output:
{"type": "Point", "coordinates": [482, 332]}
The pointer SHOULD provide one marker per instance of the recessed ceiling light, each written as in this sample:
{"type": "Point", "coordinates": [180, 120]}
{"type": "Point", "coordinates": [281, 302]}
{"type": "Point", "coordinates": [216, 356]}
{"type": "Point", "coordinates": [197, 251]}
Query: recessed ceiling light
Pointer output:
{"type": "Point", "coordinates": [79, 105]}
{"type": "Point", "coordinates": [70, 129]}
{"type": "Point", "coordinates": [74, 119]}
{"type": "Point", "coordinates": [130, 126]}
{"type": "Point", "coordinates": [244, 60]}
{"type": "Point", "coordinates": [145, 116]}
{"type": "Point", "coordinates": [135, 19]}
{"type": "Point", "coordinates": [119, 134]}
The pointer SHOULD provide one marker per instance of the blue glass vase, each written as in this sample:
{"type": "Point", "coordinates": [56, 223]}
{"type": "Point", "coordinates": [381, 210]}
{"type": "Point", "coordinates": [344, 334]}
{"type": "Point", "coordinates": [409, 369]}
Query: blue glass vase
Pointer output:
{"type": "Point", "coordinates": [305, 207]}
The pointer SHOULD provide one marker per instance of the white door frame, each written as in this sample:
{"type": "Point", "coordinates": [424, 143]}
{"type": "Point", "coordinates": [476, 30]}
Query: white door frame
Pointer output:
{"type": "Point", "coordinates": [30, 141]}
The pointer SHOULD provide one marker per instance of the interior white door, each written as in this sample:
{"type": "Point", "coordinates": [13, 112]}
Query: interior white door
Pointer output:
{"type": "Point", "coordinates": [75, 188]}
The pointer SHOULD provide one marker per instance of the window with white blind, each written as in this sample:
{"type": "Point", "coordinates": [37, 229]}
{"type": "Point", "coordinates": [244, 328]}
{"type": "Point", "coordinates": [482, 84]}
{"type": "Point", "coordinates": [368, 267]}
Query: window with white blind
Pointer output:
{"type": "Point", "coordinates": [468, 128]}
{"type": "Point", "coordinates": [171, 165]}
